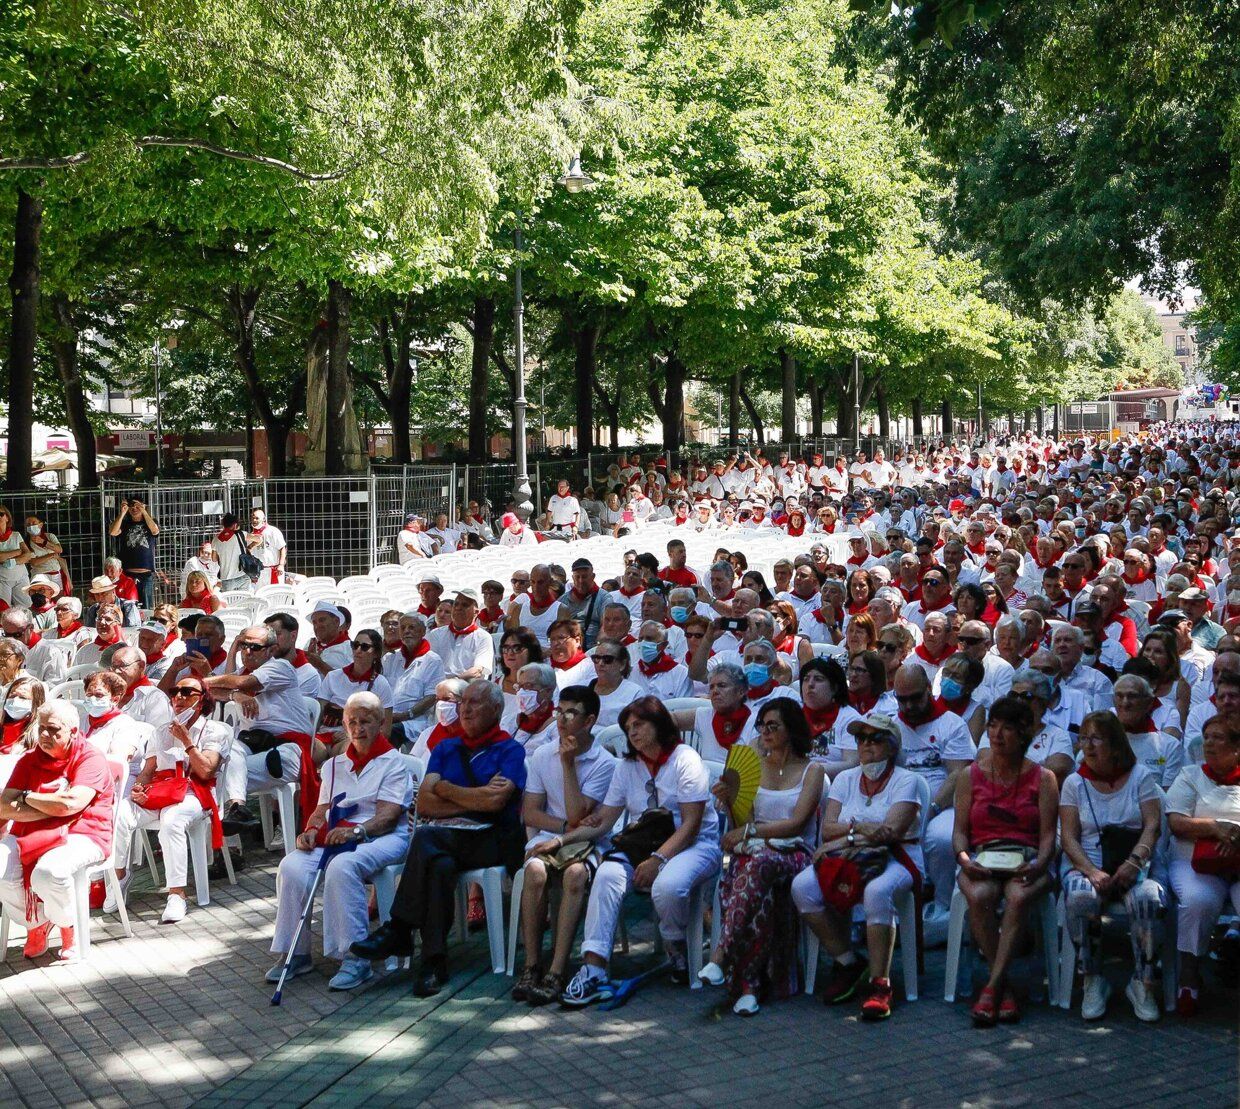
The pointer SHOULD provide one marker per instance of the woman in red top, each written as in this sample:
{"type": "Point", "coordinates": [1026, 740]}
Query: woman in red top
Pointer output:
{"type": "Point", "coordinates": [198, 594]}
{"type": "Point", "coordinates": [1004, 799]}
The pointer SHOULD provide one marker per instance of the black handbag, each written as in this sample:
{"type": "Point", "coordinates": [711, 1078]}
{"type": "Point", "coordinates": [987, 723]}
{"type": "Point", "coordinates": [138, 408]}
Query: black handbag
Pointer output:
{"type": "Point", "coordinates": [246, 562]}
{"type": "Point", "coordinates": [1116, 841]}
{"type": "Point", "coordinates": [643, 837]}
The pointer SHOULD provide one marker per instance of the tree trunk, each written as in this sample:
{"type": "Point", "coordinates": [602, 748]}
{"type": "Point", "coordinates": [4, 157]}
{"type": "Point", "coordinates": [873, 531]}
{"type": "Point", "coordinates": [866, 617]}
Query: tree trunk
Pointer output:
{"type": "Point", "coordinates": [884, 413]}
{"type": "Point", "coordinates": [674, 405]}
{"type": "Point", "coordinates": [64, 344]}
{"type": "Point", "coordinates": [759, 433]}
{"type": "Point", "coordinates": [815, 407]}
{"type": "Point", "coordinates": [24, 287]}
{"type": "Point", "coordinates": [788, 371]}
{"type": "Point", "coordinates": [734, 409]}
{"type": "Point", "coordinates": [844, 413]}
{"type": "Point", "coordinates": [1039, 418]}
{"type": "Point", "coordinates": [948, 421]}
{"type": "Point", "coordinates": [484, 337]}
{"type": "Point", "coordinates": [585, 346]}
{"type": "Point", "coordinates": [612, 410]}
{"type": "Point", "coordinates": [917, 425]}
{"type": "Point", "coordinates": [396, 344]}
{"type": "Point", "coordinates": [339, 304]}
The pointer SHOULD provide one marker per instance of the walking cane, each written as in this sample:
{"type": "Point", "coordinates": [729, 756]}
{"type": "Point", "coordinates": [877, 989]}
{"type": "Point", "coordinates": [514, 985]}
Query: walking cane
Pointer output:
{"type": "Point", "coordinates": [335, 814]}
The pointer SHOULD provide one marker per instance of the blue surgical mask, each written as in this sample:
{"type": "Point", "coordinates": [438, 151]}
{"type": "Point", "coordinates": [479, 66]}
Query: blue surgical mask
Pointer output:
{"type": "Point", "coordinates": [951, 689]}
{"type": "Point", "coordinates": [650, 651]}
{"type": "Point", "coordinates": [679, 614]}
{"type": "Point", "coordinates": [757, 673]}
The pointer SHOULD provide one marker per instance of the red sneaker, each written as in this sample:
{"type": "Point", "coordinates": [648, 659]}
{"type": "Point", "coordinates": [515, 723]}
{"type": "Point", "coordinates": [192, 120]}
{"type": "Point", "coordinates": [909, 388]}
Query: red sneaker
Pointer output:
{"type": "Point", "coordinates": [68, 946]}
{"type": "Point", "coordinates": [1186, 1003]}
{"type": "Point", "coordinates": [98, 894]}
{"type": "Point", "coordinates": [36, 940]}
{"type": "Point", "coordinates": [877, 1004]}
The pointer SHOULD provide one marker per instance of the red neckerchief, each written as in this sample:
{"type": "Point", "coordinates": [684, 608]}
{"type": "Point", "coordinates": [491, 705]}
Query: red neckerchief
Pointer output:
{"type": "Point", "coordinates": [927, 606]}
{"type": "Point", "coordinates": [865, 515]}
{"type": "Point", "coordinates": [1039, 563]}
{"type": "Point", "coordinates": [728, 726]}
{"type": "Point", "coordinates": [357, 678]}
{"type": "Point", "coordinates": [829, 529]}
{"type": "Point", "coordinates": [202, 600]}
{"type": "Point", "coordinates": [144, 680]}
{"type": "Point", "coordinates": [977, 548]}
{"type": "Point", "coordinates": [157, 655]}
{"type": "Point", "coordinates": [341, 637]}
{"type": "Point", "coordinates": [4, 537]}
{"type": "Point", "coordinates": [11, 735]}
{"type": "Point", "coordinates": [856, 608]}
{"type": "Point", "coordinates": [1230, 779]}
{"type": "Point", "coordinates": [936, 710]}
{"type": "Point", "coordinates": [787, 644]}
{"type": "Point", "coordinates": [380, 746]}
{"type": "Point", "coordinates": [495, 735]}
{"type": "Point", "coordinates": [957, 708]}
{"type": "Point", "coordinates": [75, 626]}
{"type": "Point", "coordinates": [656, 764]}
{"type": "Point", "coordinates": [1146, 725]}
{"type": "Point", "coordinates": [491, 615]}
{"type": "Point", "coordinates": [762, 690]}
{"type": "Point", "coordinates": [217, 657]}
{"type": "Point", "coordinates": [533, 722]}
{"type": "Point", "coordinates": [225, 535]}
{"type": "Point", "coordinates": [568, 664]}
{"type": "Point", "coordinates": [416, 653]}
{"type": "Point", "coordinates": [458, 632]}
{"type": "Point", "coordinates": [820, 720]}
{"type": "Point", "coordinates": [424, 611]}
{"type": "Point", "coordinates": [872, 789]}
{"type": "Point", "coordinates": [440, 732]}
{"type": "Point", "coordinates": [538, 611]}
{"type": "Point", "coordinates": [629, 638]}
{"type": "Point", "coordinates": [40, 603]}
{"type": "Point", "coordinates": [1091, 775]}
{"type": "Point", "coordinates": [817, 615]}
{"type": "Point", "coordinates": [32, 639]}
{"type": "Point", "coordinates": [299, 658]}
{"type": "Point", "coordinates": [582, 596]}
{"type": "Point", "coordinates": [795, 531]}
{"type": "Point", "coordinates": [624, 592]}
{"type": "Point", "coordinates": [1142, 575]}
{"type": "Point", "coordinates": [103, 644]}
{"type": "Point", "coordinates": [94, 723]}
{"type": "Point", "coordinates": [909, 594]}
{"type": "Point", "coordinates": [728, 597]}
{"type": "Point", "coordinates": [857, 560]}
{"type": "Point", "coordinates": [662, 666]}
{"type": "Point", "coordinates": [934, 660]}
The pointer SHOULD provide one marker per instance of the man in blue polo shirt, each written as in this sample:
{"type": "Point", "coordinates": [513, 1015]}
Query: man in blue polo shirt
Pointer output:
{"type": "Point", "coordinates": [469, 808]}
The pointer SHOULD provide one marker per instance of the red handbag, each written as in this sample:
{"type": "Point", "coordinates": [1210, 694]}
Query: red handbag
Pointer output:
{"type": "Point", "coordinates": [843, 877]}
{"type": "Point", "coordinates": [168, 787]}
{"type": "Point", "coordinates": [1208, 860]}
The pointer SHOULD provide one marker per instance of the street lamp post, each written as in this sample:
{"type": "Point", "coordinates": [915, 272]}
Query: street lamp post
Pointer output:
{"type": "Point", "coordinates": [159, 417]}
{"type": "Point", "coordinates": [980, 433]}
{"type": "Point", "coordinates": [856, 401]}
{"type": "Point", "coordinates": [575, 180]}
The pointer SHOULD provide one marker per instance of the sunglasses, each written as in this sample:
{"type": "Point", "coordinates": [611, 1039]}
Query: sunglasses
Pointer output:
{"type": "Point", "coordinates": [186, 691]}
{"type": "Point", "coordinates": [606, 658]}
{"type": "Point", "coordinates": [363, 646]}
{"type": "Point", "coordinates": [254, 646]}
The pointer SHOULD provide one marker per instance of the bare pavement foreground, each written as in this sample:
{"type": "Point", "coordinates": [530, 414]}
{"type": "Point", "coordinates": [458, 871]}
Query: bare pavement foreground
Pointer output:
{"type": "Point", "coordinates": [180, 1015]}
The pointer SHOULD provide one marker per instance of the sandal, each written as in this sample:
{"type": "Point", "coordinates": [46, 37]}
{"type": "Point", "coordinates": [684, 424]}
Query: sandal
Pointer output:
{"type": "Point", "coordinates": [984, 1015]}
{"type": "Point", "coordinates": [1009, 1011]}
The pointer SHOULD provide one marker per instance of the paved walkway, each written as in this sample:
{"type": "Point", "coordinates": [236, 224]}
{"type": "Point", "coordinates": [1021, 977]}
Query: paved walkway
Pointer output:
{"type": "Point", "coordinates": [180, 1015]}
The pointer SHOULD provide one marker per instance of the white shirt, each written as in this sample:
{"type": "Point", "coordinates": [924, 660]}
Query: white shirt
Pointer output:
{"type": "Point", "coordinates": [411, 684]}
{"type": "Point", "coordinates": [1193, 794]}
{"type": "Point", "coordinates": [581, 673]}
{"type": "Point", "coordinates": [206, 735]}
{"type": "Point", "coordinates": [901, 788]}
{"type": "Point", "coordinates": [150, 705]}
{"type": "Point", "coordinates": [48, 663]}
{"type": "Point", "coordinates": [1120, 809]}
{"type": "Point", "coordinates": [196, 564]}
{"type": "Point", "coordinates": [1049, 741]}
{"type": "Point", "coordinates": [281, 704]}
{"type": "Point", "coordinates": [683, 779]}
{"type": "Point", "coordinates": [613, 703]}
{"type": "Point", "coordinates": [228, 553]}
{"type": "Point", "coordinates": [461, 653]}
{"type": "Point", "coordinates": [420, 541]}
{"type": "Point", "coordinates": [670, 683]}
{"type": "Point", "coordinates": [337, 687]}
{"type": "Point", "coordinates": [545, 776]}
{"type": "Point", "coordinates": [562, 511]}
{"type": "Point", "coordinates": [270, 544]}
{"type": "Point", "coordinates": [385, 778]}
{"type": "Point", "coordinates": [1092, 684]}
{"type": "Point", "coordinates": [927, 746]}
{"type": "Point", "coordinates": [1161, 754]}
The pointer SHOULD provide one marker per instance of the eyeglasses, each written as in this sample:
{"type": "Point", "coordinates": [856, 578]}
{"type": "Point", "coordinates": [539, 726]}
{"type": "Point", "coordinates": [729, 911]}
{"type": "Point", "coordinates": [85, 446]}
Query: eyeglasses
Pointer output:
{"type": "Point", "coordinates": [769, 726]}
{"type": "Point", "coordinates": [694, 635]}
{"type": "Point", "coordinates": [560, 710]}
{"type": "Point", "coordinates": [253, 646]}
{"type": "Point", "coordinates": [520, 581]}
{"type": "Point", "coordinates": [511, 648]}
{"type": "Point", "coordinates": [1025, 695]}
{"type": "Point", "coordinates": [186, 691]}
{"type": "Point", "coordinates": [362, 646]}
{"type": "Point", "coordinates": [889, 648]}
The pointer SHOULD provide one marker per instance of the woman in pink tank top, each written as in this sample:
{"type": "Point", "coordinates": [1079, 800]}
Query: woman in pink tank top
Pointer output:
{"type": "Point", "coordinates": [1005, 799]}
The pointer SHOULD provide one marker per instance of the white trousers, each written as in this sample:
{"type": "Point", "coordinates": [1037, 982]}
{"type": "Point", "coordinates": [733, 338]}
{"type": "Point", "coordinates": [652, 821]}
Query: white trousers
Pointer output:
{"type": "Point", "coordinates": [173, 823]}
{"type": "Point", "coordinates": [13, 585]}
{"type": "Point", "coordinates": [51, 879]}
{"type": "Point", "coordinates": [1201, 898]}
{"type": "Point", "coordinates": [940, 859]}
{"type": "Point", "coordinates": [245, 773]}
{"type": "Point", "coordinates": [670, 894]}
{"type": "Point", "coordinates": [878, 900]}
{"type": "Point", "coordinates": [343, 886]}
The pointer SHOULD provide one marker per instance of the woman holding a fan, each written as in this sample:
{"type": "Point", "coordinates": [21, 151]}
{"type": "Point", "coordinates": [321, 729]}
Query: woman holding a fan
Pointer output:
{"type": "Point", "coordinates": [757, 953]}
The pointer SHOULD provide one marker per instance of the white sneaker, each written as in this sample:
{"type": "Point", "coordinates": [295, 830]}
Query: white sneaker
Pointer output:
{"type": "Point", "coordinates": [353, 972]}
{"type": "Point", "coordinates": [711, 974]}
{"type": "Point", "coordinates": [1138, 994]}
{"type": "Point", "coordinates": [175, 910]}
{"type": "Point", "coordinates": [746, 1005]}
{"type": "Point", "coordinates": [109, 902]}
{"type": "Point", "coordinates": [1094, 1001]}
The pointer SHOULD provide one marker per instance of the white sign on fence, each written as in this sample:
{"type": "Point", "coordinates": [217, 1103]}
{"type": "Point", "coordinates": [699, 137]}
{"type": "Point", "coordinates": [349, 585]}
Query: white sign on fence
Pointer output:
{"type": "Point", "coordinates": [358, 496]}
{"type": "Point", "coordinates": [213, 508]}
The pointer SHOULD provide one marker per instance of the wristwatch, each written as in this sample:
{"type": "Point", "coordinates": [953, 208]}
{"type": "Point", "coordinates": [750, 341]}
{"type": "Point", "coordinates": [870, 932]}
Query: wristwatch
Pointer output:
{"type": "Point", "coordinates": [361, 833]}
{"type": "Point", "coordinates": [662, 858]}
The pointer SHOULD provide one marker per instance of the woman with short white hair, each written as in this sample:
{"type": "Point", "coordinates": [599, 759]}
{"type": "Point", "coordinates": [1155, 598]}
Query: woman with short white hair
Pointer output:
{"type": "Point", "coordinates": [533, 724]}
{"type": "Point", "coordinates": [370, 836]}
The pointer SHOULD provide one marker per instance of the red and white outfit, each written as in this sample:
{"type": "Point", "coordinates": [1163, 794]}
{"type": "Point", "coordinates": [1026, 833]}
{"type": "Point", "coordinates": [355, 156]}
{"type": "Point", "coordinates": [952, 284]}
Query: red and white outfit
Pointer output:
{"type": "Point", "coordinates": [270, 546]}
{"type": "Point", "coordinates": [664, 678]}
{"type": "Point", "coordinates": [578, 670]}
{"type": "Point", "coordinates": [463, 649]}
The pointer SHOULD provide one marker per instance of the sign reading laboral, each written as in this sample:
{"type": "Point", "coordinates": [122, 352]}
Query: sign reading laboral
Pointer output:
{"type": "Point", "coordinates": [133, 439]}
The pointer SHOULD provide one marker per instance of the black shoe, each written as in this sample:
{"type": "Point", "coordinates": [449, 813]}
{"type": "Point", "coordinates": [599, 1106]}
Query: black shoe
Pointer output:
{"type": "Point", "coordinates": [430, 982]}
{"type": "Point", "coordinates": [236, 819]}
{"type": "Point", "coordinates": [217, 871]}
{"type": "Point", "coordinates": [844, 980]}
{"type": "Point", "coordinates": [275, 765]}
{"type": "Point", "coordinates": [383, 944]}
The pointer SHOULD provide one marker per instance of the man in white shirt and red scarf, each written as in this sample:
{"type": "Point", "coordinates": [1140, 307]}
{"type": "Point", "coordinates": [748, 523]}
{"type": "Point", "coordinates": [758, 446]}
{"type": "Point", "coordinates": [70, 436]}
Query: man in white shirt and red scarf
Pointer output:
{"type": "Point", "coordinates": [658, 673]}
{"type": "Point", "coordinates": [330, 649]}
{"type": "Point", "coordinates": [469, 810]}
{"type": "Point", "coordinates": [143, 700]}
{"type": "Point", "coordinates": [266, 543]}
{"type": "Point", "coordinates": [59, 800]}
{"type": "Point", "coordinates": [413, 670]}
{"type": "Point", "coordinates": [372, 834]}
{"type": "Point", "coordinates": [467, 650]}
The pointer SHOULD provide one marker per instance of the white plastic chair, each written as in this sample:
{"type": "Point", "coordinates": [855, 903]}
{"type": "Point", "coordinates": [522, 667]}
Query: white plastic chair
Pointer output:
{"type": "Point", "coordinates": [491, 879]}
{"type": "Point", "coordinates": [1046, 916]}
{"type": "Point", "coordinates": [68, 690]}
{"type": "Point", "coordinates": [613, 739]}
{"type": "Point", "coordinates": [82, 879]}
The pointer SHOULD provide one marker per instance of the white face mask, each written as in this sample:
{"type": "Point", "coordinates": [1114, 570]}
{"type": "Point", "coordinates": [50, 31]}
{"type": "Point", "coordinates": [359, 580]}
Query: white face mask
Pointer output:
{"type": "Point", "coordinates": [184, 716]}
{"type": "Point", "coordinates": [18, 708]}
{"type": "Point", "coordinates": [98, 703]}
{"type": "Point", "coordinates": [445, 712]}
{"type": "Point", "coordinates": [527, 700]}
{"type": "Point", "coordinates": [35, 529]}
{"type": "Point", "coordinates": [874, 770]}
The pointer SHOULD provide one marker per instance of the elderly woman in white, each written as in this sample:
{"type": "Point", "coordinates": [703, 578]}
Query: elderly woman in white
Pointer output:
{"type": "Point", "coordinates": [532, 724]}
{"type": "Point", "coordinates": [192, 747]}
{"type": "Point", "coordinates": [372, 779]}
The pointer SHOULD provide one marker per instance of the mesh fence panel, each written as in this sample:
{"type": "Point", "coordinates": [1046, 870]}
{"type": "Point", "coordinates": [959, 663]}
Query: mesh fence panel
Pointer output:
{"type": "Point", "coordinates": [493, 482]}
{"type": "Point", "coordinates": [75, 518]}
{"type": "Point", "coordinates": [550, 471]}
